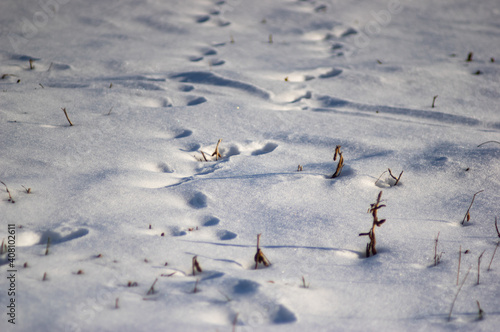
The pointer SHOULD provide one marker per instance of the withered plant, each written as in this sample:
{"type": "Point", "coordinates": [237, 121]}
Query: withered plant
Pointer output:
{"type": "Point", "coordinates": [467, 214]}
{"type": "Point", "coordinates": [67, 117]}
{"type": "Point", "coordinates": [196, 266]}
{"type": "Point", "coordinates": [370, 247]}
{"type": "Point", "coordinates": [341, 161]}
{"type": "Point", "coordinates": [259, 256]}
{"type": "Point", "coordinates": [494, 252]}
{"type": "Point", "coordinates": [479, 266]}
{"type": "Point", "coordinates": [216, 152]}
{"type": "Point", "coordinates": [151, 290]}
{"type": "Point", "coordinates": [395, 178]}
{"type": "Point", "coordinates": [434, 100]}
{"type": "Point", "coordinates": [8, 192]}
{"type": "Point", "coordinates": [496, 227]}
{"type": "Point", "coordinates": [437, 257]}
{"type": "Point", "coordinates": [458, 292]}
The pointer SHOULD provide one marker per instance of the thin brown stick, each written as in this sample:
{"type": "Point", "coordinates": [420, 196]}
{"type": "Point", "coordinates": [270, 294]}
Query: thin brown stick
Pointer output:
{"type": "Point", "coordinates": [48, 246]}
{"type": "Point", "coordinates": [496, 227]}
{"type": "Point", "coordinates": [196, 266]}
{"type": "Point", "coordinates": [116, 304]}
{"type": "Point", "coordinates": [203, 154]}
{"type": "Point", "coordinates": [434, 100]}
{"type": "Point", "coordinates": [66, 113]}
{"type": "Point", "coordinates": [459, 260]}
{"type": "Point", "coordinates": [456, 295]}
{"type": "Point", "coordinates": [152, 288]}
{"type": "Point", "coordinates": [216, 152]}
{"type": "Point", "coordinates": [235, 321]}
{"type": "Point", "coordinates": [341, 161]}
{"type": "Point", "coordinates": [437, 257]}
{"type": "Point", "coordinates": [467, 214]}
{"type": "Point", "coordinates": [380, 177]}
{"type": "Point", "coordinates": [259, 256]}
{"type": "Point", "coordinates": [195, 290]}
{"type": "Point", "coordinates": [395, 178]}
{"type": "Point", "coordinates": [498, 244]}
{"type": "Point", "coordinates": [480, 311]}
{"type": "Point", "coordinates": [487, 143]}
{"type": "Point", "coordinates": [479, 266]}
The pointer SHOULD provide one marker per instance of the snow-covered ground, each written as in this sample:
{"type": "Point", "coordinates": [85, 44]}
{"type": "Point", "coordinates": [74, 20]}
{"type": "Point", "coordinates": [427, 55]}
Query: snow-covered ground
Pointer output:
{"type": "Point", "coordinates": [128, 200]}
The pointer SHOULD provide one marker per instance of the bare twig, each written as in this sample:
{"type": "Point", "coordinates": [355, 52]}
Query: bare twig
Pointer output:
{"type": "Point", "coordinates": [66, 113]}
{"type": "Point", "coordinates": [28, 190]}
{"type": "Point", "coordinates": [370, 247]}
{"type": "Point", "coordinates": [195, 290]}
{"type": "Point", "coordinates": [479, 266]}
{"type": "Point", "coordinates": [216, 152]}
{"type": "Point", "coordinates": [152, 288]}
{"type": "Point", "coordinates": [8, 192]}
{"type": "Point", "coordinates": [498, 244]}
{"type": "Point", "coordinates": [467, 214]}
{"type": "Point", "coordinates": [480, 311]}
{"type": "Point", "coordinates": [496, 227]}
{"type": "Point", "coordinates": [437, 258]}
{"type": "Point", "coordinates": [195, 265]}
{"type": "Point", "coordinates": [456, 295]}
{"type": "Point", "coordinates": [235, 321]}
{"type": "Point", "coordinates": [434, 100]}
{"type": "Point", "coordinates": [459, 261]}
{"type": "Point", "coordinates": [380, 177]}
{"type": "Point", "coordinates": [48, 246]}
{"type": "Point", "coordinates": [395, 178]}
{"type": "Point", "coordinates": [487, 143]}
{"type": "Point", "coordinates": [341, 161]}
{"type": "Point", "coordinates": [304, 283]}
{"type": "Point", "coordinates": [259, 256]}
{"type": "Point", "coordinates": [32, 64]}
{"type": "Point", "coordinates": [203, 154]}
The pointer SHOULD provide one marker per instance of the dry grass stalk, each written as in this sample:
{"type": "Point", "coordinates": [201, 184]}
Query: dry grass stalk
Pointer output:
{"type": "Point", "coordinates": [259, 256]}
{"type": "Point", "coordinates": [216, 152]}
{"type": "Point", "coordinates": [434, 100]}
{"type": "Point", "coordinates": [498, 244]}
{"type": "Point", "coordinates": [395, 178]}
{"type": "Point", "coordinates": [370, 247]}
{"type": "Point", "coordinates": [48, 246]}
{"type": "Point", "coordinates": [480, 311]}
{"type": "Point", "coordinates": [8, 192]}
{"type": "Point", "coordinates": [304, 283]}
{"type": "Point", "coordinates": [196, 266]}
{"type": "Point", "coordinates": [28, 190]}
{"type": "Point", "coordinates": [116, 304]}
{"type": "Point", "coordinates": [487, 143]}
{"type": "Point", "coordinates": [479, 266]}
{"type": "Point", "coordinates": [459, 261]}
{"type": "Point", "coordinates": [496, 227]}
{"type": "Point", "coordinates": [67, 117]}
{"type": "Point", "coordinates": [437, 258]}
{"type": "Point", "coordinates": [467, 214]}
{"type": "Point", "coordinates": [152, 288]}
{"type": "Point", "coordinates": [469, 57]}
{"type": "Point", "coordinates": [44, 276]}
{"type": "Point", "coordinates": [195, 290]}
{"type": "Point", "coordinates": [32, 64]}
{"type": "Point", "coordinates": [341, 161]}
{"type": "Point", "coordinates": [456, 295]}
{"type": "Point", "coordinates": [235, 321]}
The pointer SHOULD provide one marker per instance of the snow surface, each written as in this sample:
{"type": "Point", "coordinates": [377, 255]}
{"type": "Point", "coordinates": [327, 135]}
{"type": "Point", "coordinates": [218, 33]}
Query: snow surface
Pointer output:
{"type": "Point", "coordinates": [149, 84]}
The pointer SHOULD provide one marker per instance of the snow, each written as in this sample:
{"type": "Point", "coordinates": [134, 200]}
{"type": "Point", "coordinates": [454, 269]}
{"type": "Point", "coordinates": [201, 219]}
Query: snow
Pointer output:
{"type": "Point", "coordinates": [126, 197]}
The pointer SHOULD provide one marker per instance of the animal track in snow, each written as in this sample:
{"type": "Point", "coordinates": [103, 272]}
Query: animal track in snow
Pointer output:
{"type": "Point", "coordinates": [211, 221]}
{"type": "Point", "coordinates": [58, 235]}
{"type": "Point", "coordinates": [268, 148]}
{"type": "Point", "coordinates": [198, 201]}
